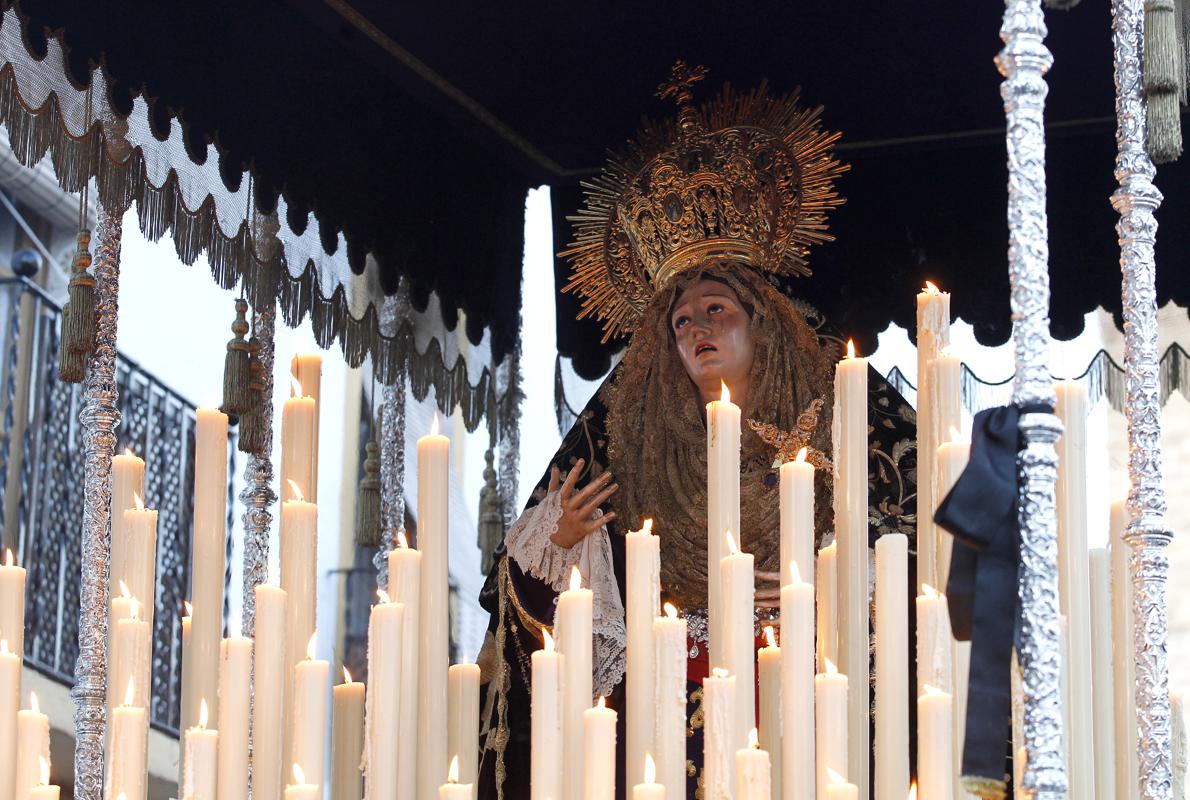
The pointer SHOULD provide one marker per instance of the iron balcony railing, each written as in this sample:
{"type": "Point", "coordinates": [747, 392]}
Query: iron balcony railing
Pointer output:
{"type": "Point", "coordinates": [41, 489]}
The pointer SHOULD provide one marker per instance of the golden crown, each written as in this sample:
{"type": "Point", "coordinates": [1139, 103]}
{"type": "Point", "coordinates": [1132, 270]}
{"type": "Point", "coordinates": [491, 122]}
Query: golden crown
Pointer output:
{"type": "Point", "coordinates": [743, 179]}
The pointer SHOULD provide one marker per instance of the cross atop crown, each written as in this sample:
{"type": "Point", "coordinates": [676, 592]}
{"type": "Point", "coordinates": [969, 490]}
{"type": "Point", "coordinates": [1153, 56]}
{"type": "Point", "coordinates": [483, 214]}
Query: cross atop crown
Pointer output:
{"type": "Point", "coordinates": [680, 87]}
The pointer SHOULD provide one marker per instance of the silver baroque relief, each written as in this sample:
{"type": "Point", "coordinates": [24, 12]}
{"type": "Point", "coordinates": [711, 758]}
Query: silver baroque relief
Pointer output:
{"type": "Point", "coordinates": [1136, 200]}
{"type": "Point", "coordinates": [1023, 62]}
{"type": "Point", "coordinates": [258, 495]}
{"type": "Point", "coordinates": [393, 312]}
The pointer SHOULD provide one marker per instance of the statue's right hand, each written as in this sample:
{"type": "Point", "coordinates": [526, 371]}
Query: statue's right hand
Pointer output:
{"type": "Point", "coordinates": [578, 520]}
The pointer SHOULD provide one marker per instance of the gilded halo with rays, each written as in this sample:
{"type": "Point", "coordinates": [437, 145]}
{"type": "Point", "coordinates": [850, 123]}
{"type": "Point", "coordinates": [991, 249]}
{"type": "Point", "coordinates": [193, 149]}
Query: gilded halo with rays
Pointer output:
{"type": "Point", "coordinates": [744, 179]}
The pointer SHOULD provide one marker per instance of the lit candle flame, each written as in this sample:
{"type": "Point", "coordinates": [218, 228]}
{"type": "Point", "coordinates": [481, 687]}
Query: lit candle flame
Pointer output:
{"type": "Point", "coordinates": [346, 675]}
{"type": "Point", "coordinates": [647, 527]}
{"type": "Point", "coordinates": [927, 689]}
{"type": "Point", "coordinates": [402, 540]}
{"type": "Point", "coordinates": [754, 739]}
{"type": "Point", "coordinates": [189, 608]}
{"type": "Point", "coordinates": [732, 547]}
{"type": "Point", "coordinates": [8, 557]}
{"type": "Point", "coordinates": [299, 776]}
{"type": "Point", "coordinates": [121, 796]}
{"type": "Point", "coordinates": [295, 388]}
{"type": "Point", "coordinates": [955, 436]}
{"type": "Point", "coordinates": [43, 771]}
{"type": "Point", "coordinates": [724, 392]}
{"type": "Point", "coordinates": [912, 791]}
{"type": "Point", "coordinates": [202, 713]}
{"type": "Point", "coordinates": [124, 591]}
{"type": "Point", "coordinates": [801, 454]}
{"type": "Point", "coordinates": [297, 490]}
{"type": "Point", "coordinates": [930, 591]}
{"type": "Point", "coordinates": [34, 705]}
{"type": "Point", "coordinates": [4, 647]}
{"type": "Point", "coordinates": [831, 669]}
{"type": "Point", "coordinates": [602, 702]}
{"type": "Point", "coordinates": [850, 349]}
{"type": "Point", "coordinates": [434, 425]}
{"type": "Point", "coordinates": [128, 452]}
{"type": "Point", "coordinates": [452, 774]}
{"type": "Point", "coordinates": [311, 646]}
{"type": "Point", "coordinates": [383, 595]}
{"type": "Point", "coordinates": [836, 778]}
{"type": "Point", "coordinates": [549, 640]}
{"type": "Point", "coordinates": [671, 611]}
{"type": "Point", "coordinates": [650, 769]}
{"type": "Point", "coordinates": [138, 502]}
{"type": "Point", "coordinates": [134, 608]}
{"type": "Point", "coordinates": [769, 636]}
{"type": "Point", "coordinates": [576, 579]}
{"type": "Point", "coordinates": [719, 672]}
{"type": "Point", "coordinates": [931, 288]}
{"type": "Point", "coordinates": [129, 693]}
{"type": "Point", "coordinates": [795, 574]}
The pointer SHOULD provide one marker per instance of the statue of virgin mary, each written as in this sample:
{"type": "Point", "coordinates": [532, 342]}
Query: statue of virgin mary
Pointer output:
{"type": "Point", "coordinates": [688, 244]}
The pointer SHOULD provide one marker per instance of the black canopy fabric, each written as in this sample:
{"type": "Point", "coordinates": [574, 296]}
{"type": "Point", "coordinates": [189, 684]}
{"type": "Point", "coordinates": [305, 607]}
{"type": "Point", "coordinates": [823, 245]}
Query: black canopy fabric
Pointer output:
{"type": "Point", "coordinates": [415, 130]}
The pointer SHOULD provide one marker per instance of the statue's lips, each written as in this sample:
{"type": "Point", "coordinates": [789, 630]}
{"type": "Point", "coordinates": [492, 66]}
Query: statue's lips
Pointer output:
{"type": "Point", "coordinates": [704, 347]}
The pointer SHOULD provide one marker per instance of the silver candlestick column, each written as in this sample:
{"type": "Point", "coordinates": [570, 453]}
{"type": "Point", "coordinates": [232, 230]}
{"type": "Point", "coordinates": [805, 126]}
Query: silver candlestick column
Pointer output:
{"type": "Point", "coordinates": [258, 495]}
{"type": "Point", "coordinates": [99, 418]}
{"type": "Point", "coordinates": [393, 312]}
{"type": "Point", "coordinates": [1146, 534]}
{"type": "Point", "coordinates": [1023, 62]}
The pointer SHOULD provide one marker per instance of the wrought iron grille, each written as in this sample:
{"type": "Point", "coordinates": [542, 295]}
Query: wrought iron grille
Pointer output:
{"type": "Point", "coordinates": [41, 490]}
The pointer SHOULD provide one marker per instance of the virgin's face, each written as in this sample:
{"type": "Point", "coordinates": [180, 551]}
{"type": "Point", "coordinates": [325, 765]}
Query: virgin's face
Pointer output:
{"type": "Point", "coordinates": [712, 330]}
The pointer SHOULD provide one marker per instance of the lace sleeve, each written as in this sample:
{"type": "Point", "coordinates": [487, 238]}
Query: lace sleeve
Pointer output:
{"type": "Point", "coordinates": [528, 543]}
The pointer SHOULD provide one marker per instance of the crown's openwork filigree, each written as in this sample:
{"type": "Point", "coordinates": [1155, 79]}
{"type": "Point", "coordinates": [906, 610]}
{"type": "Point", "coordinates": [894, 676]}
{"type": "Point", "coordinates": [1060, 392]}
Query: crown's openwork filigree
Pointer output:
{"type": "Point", "coordinates": [745, 178]}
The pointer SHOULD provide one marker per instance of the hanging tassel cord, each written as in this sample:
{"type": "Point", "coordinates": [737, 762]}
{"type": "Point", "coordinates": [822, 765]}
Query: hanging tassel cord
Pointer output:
{"type": "Point", "coordinates": [1165, 77]}
{"type": "Point", "coordinates": [252, 420]}
{"type": "Point", "coordinates": [237, 394]}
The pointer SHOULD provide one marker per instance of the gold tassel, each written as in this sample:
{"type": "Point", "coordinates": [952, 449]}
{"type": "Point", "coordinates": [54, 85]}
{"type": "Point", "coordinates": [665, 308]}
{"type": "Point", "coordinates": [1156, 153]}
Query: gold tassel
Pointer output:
{"type": "Point", "coordinates": [491, 514]}
{"type": "Point", "coordinates": [78, 316]}
{"type": "Point", "coordinates": [237, 398]}
{"type": "Point", "coordinates": [1164, 76]}
{"type": "Point", "coordinates": [252, 419]}
{"type": "Point", "coordinates": [367, 531]}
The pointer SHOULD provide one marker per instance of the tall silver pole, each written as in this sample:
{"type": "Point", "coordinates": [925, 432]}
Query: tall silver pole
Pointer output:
{"type": "Point", "coordinates": [1023, 62]}
{"type": "Point", "coordinates": [258, 495]}
{"type": "Point", "coordinates": [1146, 534]}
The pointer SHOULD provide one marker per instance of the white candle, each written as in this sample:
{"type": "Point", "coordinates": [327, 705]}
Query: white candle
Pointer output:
{"type": "Point", "coordinates": [797, 687]}
{"type": "Point", "coordinates": [933, 640]}
{"type": "Point", "coordinates": [206, 550]}
{"type": "Point", "coordinates": [1177, 730]}
{"type": "Point", "coordinates": [945, 421]}
{"type": "Point", "coordinates": [737, 584]}
{"type": "Point", "coordinates": [299, 417]}
{"type": "Point", "coordinates": [10, 703]}
{"type": "Point", "coordinates": [299, 580]}
{"type": "Point", "coordinates": [839, 788]}
{"type": "Point", "coordinates": [433, 487]}
{"type": "Point", "coordinates": [768, 670]}
{"type": "Point", "coordinates": [1123, 658]}
{"type": "Point", "coordinates": [268, 712]}
{"type": "Point", "coordinates": [753, 772]}
{"type": "Point", "coordinates": [404, 586]}
{"type": "Point", "coordinates": [935, 760]}
{"type": "Point", "coordinates": [140, 556]}
{"type": "Point", "coordinates": [545, 747]}
{"type": "Point", "coordinates": [723, 505]}
{"type": "Point", "coordinates": [310, 680]}
{"type": "Point", "coordinates": [1074, 588]}
{"type": "Point", "coordinates": [463, 721]}
{"type": "Point", "coordinates": [347, 739]}
{"type": "Point", "coordinates": [950, 461]}
{"type": "Point", "coordinates": [452, 789]}
{"type": "Point", "coordinates": [127, 750]}
{"type": "Point", "coordinates": [188, 712]}
{"type": "Point", "coordinates": [574, 640]}
{"type": "Point", "coordinates": [643, 597]}
{"type": "Point", "coordinates": [669, 640]}
{"type": "Point", "coordinates": [719, 721]}
{"type": "Point", "coordinates": [44, 790]}
{"type": "Point", "coordinates": [235, 666]}
{"type": "Point", "coordinates": [128, 486]}
{"type": "Point", "coordinates": [599, 752]}
{"type": "Point", "coordinates": [828, 604]}
{"type": "Point", "coordinates": [830, 726]}
{"type": "Point", "coordinates": [383, 701]}
{"type": "Point", "coordinates": [648, 789]}
{"type": "Point", "coordinates": [12, 604]}
{"type": "Point", "coordinates": [933, 334]}
{"type": "Point", "coordinates": [33, 745]}
{"type": "Point", "coordinates": [892, 666]}
{"type": "Point", "coordinates": [202, 757]}
{"type": "Point", "coordinates": [307, 369]}
{"type": "Point", "coordinates": [1101, 675]}
{"type": "Point", "coordinates": [797, 513]}
{"type": "Point", "coordinates": [130, 654]}
{"type": "Point", "coordinates": [300, 789]}
{"type": "Point", "coordinates": [851, 531]}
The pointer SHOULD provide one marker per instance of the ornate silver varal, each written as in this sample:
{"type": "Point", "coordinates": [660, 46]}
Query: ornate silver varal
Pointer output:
{"type": "Point", "coordinates": [258, 495]}
{"type": "Point", "coordinates": [392, 443]}
{"type": "Point", "coordinates": [99, 418]}
{"type": "Point", "coordinates": [1136, 199]}
{"type": "Point", "coordinates": [1023, 62]}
